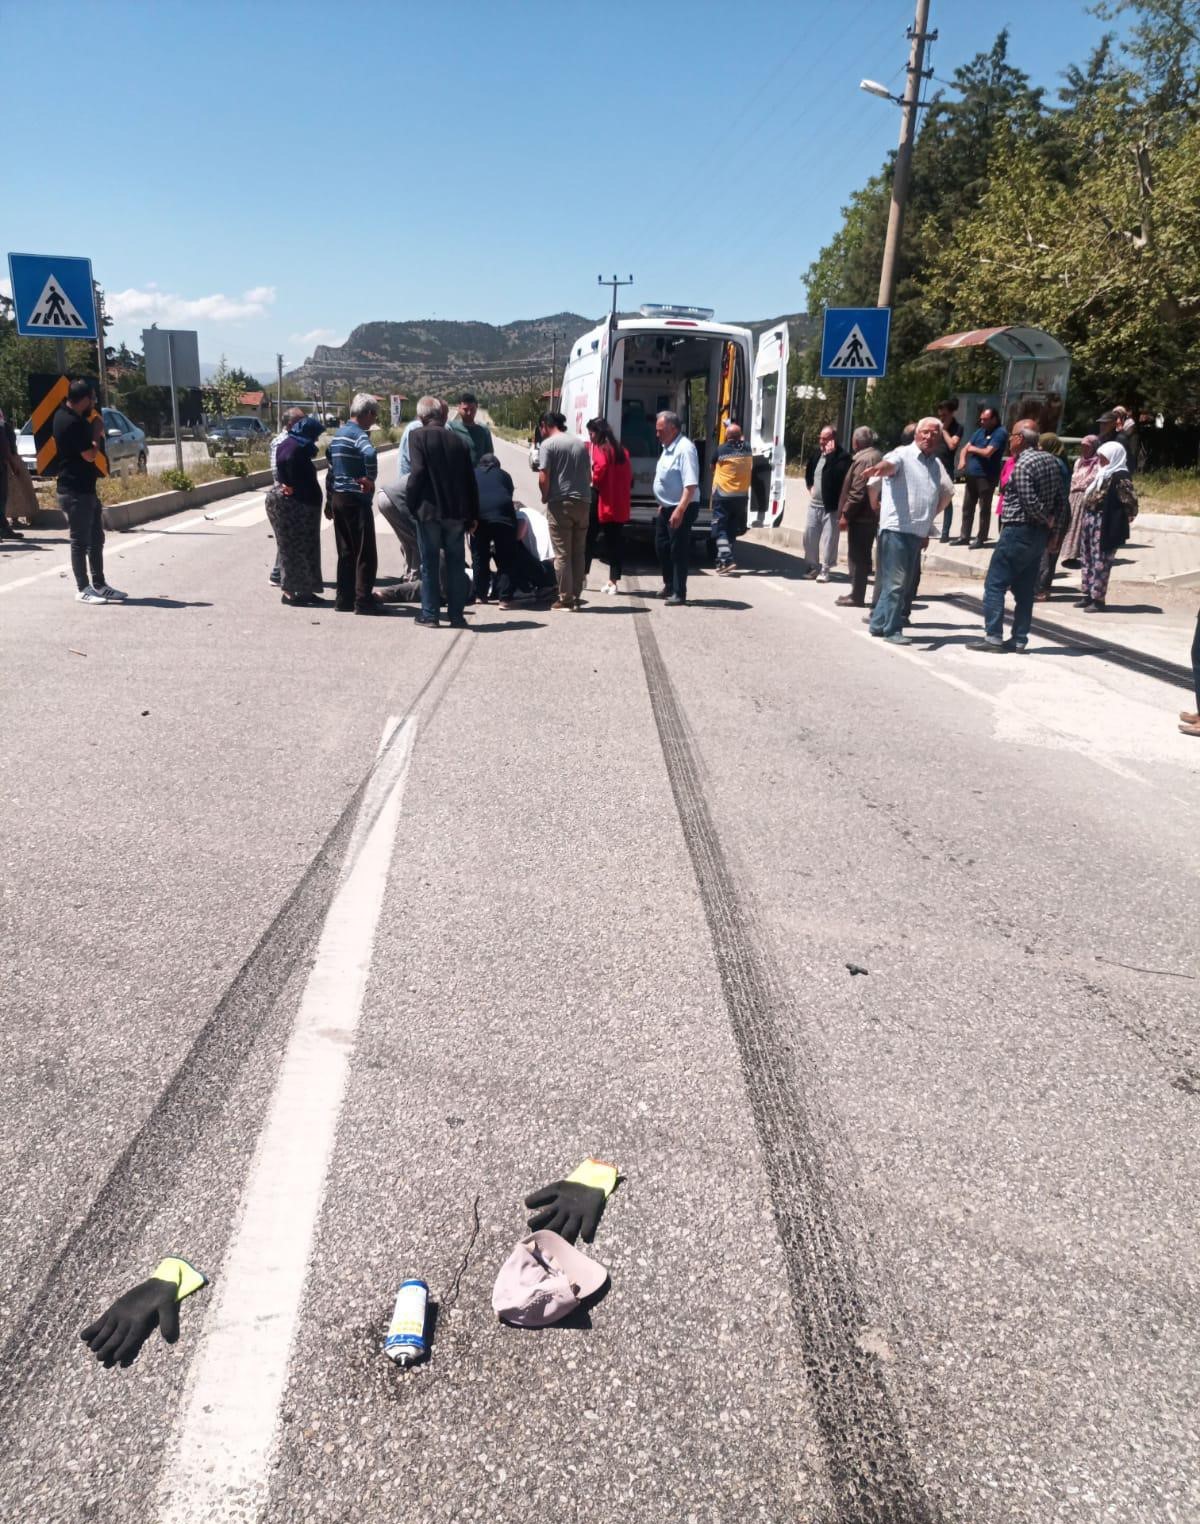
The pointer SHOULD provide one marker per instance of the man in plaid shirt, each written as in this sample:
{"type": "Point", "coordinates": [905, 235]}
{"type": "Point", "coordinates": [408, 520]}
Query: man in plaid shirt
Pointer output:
{"type": "Point", "coordinates": [1034, 500]}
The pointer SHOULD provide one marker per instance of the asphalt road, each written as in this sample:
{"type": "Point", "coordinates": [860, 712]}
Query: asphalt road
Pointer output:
{"type": "Point", "coordinates": [326, 939]}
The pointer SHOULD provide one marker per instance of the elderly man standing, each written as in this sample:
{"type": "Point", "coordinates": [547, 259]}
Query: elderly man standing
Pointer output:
{"type": "Point", "coordinates": [911, 486]}
{"type": "Point", "coordinates": [565, 482]}
{"type": "Point", "coordinates": [443, 496]}
{"type": "Point", "coordinates": [856, 514]}
{"type": "Point", "coordinates": [1034, 502]}
{"type": "Point", "coordinates": [823, 476]}
{"type": "Point", "coordinates": [677, 490]}
{"type": "Point", "coordinates": [353, 467]}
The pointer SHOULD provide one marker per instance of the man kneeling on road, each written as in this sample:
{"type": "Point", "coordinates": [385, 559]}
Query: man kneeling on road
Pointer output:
{"type": "Point", "coordinates": [78, 444]}
{"type": "Point", "coordinates": [1034, 500]}
{"type": "Point", "coordinates": [910, 487]}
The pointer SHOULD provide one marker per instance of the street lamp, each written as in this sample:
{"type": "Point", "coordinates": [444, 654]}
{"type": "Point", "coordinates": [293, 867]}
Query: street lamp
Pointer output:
{"type": "Point", "coordinates": [873, 87]}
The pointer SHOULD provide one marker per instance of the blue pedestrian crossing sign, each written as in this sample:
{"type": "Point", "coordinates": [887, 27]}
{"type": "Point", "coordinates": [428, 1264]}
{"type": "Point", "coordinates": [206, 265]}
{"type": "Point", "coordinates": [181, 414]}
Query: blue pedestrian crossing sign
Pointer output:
{"type": "Point", "coordinates": [53, 297]}
{"type": "Point", "coordinates": [855, 342]}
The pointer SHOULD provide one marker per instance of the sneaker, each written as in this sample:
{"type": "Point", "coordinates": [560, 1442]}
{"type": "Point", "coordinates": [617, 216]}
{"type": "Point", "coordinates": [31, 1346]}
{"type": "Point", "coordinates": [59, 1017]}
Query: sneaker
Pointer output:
{"type": "Point", "coordinates": [1095, 607]}
{"type": "Point", "coordinates": [568, 608]}
{"type": "Point", "coordinates": [993, 647]}
{"type": "Point", "coordinates": [90, 595]}
{"type": "Point", "coordinates": [371, 606]}
{"type": "Point", "coordinates": [1082, 603]}
{"type": "Point", "coordinates": [1020, 647]}
{"type": "Point", "coordinates": [675, 603]}
{"type": "Point", "coordinates": [275, 578]}
{"type": "Point", "coordinates": [898, 639]}
{"type": "Point", "coordinates": [112, 594]}
{"type": "Point", "coordinates": [822, 576]}
{"type": "Point", "coordinates": [610, 588]}
{"type": "Point", "coordinates": [429, 624]}
{"type": "Point", "coordinates": [458, 624]}
{"type": "Point", "coordinates": [847, 602]}
{"type": "Point", "coordinates": [506, 604]}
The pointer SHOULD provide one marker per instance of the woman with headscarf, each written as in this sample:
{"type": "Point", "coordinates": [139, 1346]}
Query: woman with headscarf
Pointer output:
{"type": "Point", "coordinates": [1108, 506]}
{"type": "Point", "coordinates": [294, 511]}
{"type": "Point", "coordinates": [1051, 444]}
{"type": "Point", "coordinates": [1085, 468]}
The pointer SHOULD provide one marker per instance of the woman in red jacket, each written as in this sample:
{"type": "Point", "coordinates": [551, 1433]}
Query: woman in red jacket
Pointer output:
{"type": "Point", "coordinates": [612, 480]}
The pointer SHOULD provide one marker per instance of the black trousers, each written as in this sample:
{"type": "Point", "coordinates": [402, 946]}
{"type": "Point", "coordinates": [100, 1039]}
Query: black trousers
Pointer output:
{"type": "Point", "coordinates": [85, 519]}
{"type": "Point", "coordinates": [499, 538]}
{"type": "Point", "coordinates": [674, 547]}
{"type": "Point", "coordinates": [860, 544]}
{"type": "Point", "coordinates": [1196, 661]}
{"type": "Point", "coordinates": [357, 555]}
{"type": "Point", "coordinates": [977, 489]}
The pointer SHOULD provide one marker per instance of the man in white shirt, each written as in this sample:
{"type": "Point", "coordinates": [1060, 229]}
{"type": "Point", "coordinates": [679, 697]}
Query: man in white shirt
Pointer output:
{"type": "Point", "coordinates": [910, 487]}
{"type": "Point", "coordinates": [677, 490]}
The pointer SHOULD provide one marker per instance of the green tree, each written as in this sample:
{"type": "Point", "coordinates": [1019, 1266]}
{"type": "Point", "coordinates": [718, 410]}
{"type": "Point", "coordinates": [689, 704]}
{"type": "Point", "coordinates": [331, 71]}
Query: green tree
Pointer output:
{"type": "Point", "coordinates": [221, 394]}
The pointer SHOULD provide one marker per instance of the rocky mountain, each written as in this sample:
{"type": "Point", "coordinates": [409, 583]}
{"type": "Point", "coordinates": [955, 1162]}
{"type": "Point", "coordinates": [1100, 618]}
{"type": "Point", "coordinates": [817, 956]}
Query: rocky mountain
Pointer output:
{"type": "Point", "coordinates": [434, 354]}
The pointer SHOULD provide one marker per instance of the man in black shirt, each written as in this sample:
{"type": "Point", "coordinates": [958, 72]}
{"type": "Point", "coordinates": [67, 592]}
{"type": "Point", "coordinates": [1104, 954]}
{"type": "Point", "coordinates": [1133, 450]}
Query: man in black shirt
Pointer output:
{"type": "Point", "coordinates": [947, 451]}
{"type": "Point", "coordinates": [78, 442]}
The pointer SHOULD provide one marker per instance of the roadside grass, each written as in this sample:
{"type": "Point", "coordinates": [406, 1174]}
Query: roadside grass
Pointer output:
{"type": "Point", "coordinates": [514, 436]}
{"type": "Point", "coordinates": [1171, 491]}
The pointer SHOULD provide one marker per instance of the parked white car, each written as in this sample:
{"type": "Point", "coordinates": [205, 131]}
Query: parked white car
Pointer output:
{"type": "Point", "coordinates": [125, 445]}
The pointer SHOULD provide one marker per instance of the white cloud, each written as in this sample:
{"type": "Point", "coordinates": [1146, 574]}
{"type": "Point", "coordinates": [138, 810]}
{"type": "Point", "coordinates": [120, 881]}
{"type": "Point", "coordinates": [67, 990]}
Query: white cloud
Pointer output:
{"type": "Point", "coordinates": [316, 336]}
{"type": "Point", "coordinates": [168, 307]}
{"type": "Point", "coordinates": [5, 286]}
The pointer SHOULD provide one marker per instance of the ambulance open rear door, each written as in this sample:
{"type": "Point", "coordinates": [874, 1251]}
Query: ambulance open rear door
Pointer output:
{"type": "Point", "coordinates": [768, 417]}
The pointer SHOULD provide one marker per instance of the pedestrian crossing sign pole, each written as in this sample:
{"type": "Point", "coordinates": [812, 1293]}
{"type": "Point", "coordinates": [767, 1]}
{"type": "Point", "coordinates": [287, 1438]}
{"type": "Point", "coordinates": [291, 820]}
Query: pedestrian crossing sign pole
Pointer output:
{"type": "Point", "coordinates": [854, 342]}
{"type": "Point", "coordinates": [854, 346]}
{"type": "Point", "coordinates": [53, 296]}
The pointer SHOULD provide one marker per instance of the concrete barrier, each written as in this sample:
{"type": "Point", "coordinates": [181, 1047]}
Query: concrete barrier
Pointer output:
{"type": "Point", "coordinates": [119, 517]}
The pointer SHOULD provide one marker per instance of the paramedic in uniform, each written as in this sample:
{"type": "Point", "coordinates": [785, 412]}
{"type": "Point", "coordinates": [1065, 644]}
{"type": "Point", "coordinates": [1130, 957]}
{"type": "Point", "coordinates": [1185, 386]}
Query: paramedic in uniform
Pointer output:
{"type": "Point", "coordinates": [730, 495]}
{"type": "Point", "coordinates": [676, 487]}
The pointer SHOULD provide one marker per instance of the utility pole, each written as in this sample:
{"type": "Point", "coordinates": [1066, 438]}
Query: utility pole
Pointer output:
{"type": "Point", "coordinates": [554, 338]}
{"type": "Point", "coordinates": [908, 130]}
{"type": "Point", "coordinates": [279, 407]}
{"type": "Point", "coordinates": [615, 284]}
{"type": "Point", "coordinates": [101, 361]}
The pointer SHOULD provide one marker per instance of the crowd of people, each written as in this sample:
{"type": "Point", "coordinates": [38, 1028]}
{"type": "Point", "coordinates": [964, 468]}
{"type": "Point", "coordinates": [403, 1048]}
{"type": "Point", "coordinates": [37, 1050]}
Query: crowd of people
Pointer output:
{"type": "Point", "coordinates": [451, 488]}
{"type": "Point", "coordinates": [890, 505]}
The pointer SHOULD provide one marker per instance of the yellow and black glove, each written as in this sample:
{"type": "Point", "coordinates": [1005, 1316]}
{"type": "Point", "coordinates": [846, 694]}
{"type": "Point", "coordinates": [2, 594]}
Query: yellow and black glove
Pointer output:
{"type": "Point", "coordinates": [116, 1338]}
{"type": "Point", "coordinates": [574, 1206]}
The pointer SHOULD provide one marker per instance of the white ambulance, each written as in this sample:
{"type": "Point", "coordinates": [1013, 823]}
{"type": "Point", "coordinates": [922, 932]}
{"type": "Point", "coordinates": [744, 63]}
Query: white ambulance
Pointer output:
{"type": "Point", "coordinates": [676, 359]}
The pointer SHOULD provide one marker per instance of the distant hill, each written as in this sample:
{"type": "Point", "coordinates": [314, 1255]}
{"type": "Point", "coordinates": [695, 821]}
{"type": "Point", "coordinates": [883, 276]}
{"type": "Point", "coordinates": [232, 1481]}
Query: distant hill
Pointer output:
{"type": "Point", "coordinates": [433, 354]}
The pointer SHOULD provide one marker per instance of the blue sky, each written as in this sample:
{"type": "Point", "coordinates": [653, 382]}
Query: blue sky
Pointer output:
{"type": "Point", "coordinates": [273, 175]}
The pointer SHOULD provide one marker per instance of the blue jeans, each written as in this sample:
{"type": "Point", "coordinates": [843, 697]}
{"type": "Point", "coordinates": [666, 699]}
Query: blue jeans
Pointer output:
{"type": "Point", "coordinates": [728, 521]}
{"type": "Point", "coordinates": [897, 565]}
{"type": "Point", "coordinates": [1016, 563]}
{"type": "Point", "coordinates": [436, 536]}
{"type": "Point", "coordinates": [674, 546]}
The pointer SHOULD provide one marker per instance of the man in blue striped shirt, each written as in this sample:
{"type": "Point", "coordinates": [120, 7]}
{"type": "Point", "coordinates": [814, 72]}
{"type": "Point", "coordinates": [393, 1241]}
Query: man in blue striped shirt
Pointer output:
{"type": "Point", "coordinates": [353, 467]}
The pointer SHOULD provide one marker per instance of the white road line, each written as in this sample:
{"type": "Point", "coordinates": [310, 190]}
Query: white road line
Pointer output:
{"type": "Point", "coordinates": [216, 1468]}
{"type": "Point", "coordinates": [145, 535]}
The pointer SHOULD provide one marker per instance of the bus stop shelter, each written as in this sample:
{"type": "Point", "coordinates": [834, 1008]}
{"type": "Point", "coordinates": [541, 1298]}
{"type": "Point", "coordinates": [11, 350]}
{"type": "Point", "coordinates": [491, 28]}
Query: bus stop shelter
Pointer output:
{"type": "Point", "coordinates": [1032, 370]}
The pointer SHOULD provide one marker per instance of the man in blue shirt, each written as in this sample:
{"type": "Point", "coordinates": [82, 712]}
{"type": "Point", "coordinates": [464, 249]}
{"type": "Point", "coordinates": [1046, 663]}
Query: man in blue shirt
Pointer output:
{"type": "Point", "coordinates": [353, 467]}
{"type": "Point", "coordinates": [982, 459]}
{"type": "Point", "coordinates": [677, 488]}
